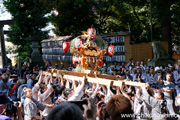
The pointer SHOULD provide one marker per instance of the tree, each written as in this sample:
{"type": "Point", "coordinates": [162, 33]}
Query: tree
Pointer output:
{"type": "Point", "coordinates": [29, 16]}
{"type": "Point", "coordinates": [74, 15]}
{"type": "Point", "coordinates": [118, 15]}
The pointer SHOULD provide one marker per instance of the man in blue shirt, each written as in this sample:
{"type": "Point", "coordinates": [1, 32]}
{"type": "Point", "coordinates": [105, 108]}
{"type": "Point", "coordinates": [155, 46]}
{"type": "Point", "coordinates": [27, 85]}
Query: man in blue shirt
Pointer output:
{"type": "Point", "coordinates": [3, 83]}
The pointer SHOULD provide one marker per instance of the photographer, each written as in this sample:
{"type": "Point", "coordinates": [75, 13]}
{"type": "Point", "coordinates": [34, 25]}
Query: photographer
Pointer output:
{"type": "Point", "coordinates": [8, 109]}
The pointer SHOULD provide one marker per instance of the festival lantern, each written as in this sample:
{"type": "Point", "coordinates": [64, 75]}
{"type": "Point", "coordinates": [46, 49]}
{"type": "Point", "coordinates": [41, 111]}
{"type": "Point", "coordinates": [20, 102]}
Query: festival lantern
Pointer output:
{"type": "Point", "coordinates": [111, 50]}
{"type": "Point", "coordinates": [92, 33]}
{"type": "Point", "coordinates": [65, 46]}
{"type": "Point", "coordinates": [78, 43]}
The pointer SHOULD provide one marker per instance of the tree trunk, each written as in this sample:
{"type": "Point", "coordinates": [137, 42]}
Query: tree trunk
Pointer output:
{"type": "Point", "coordinates": [165, 18]}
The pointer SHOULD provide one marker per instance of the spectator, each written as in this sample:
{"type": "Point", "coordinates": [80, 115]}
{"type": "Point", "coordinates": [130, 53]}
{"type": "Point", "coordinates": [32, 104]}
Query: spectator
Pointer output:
{"type": "Point", "coordinates": [128, 76]}
{"type": "Point", "coordinates": [140, 77]}
{"type": "Point", "coordinates": [17, 69]}
{"type": "Point", "coordinates": [26, 72]}
{"type": "Point", "coordinates": [4, 82]}
{"type": "Point", "coordinates": [62, 67]}
{"type": "Point", "coordinates": [14, 84]}
{"type": "Point", "coordinates": [152, 78]}
{"type": "Point", "coordinates": [31, 80]}
{"type": "Point", "coordinates": [116, 65]}
{"type": "Point", "coordinates": [143, 66]}
{"type": "Point", "coordinates": [23, 70]}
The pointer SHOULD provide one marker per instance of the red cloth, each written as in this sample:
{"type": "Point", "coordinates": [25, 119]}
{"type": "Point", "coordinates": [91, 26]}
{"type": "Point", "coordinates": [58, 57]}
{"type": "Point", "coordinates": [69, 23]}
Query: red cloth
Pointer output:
{"type": "Point", "coordinates": [14, 87]}
{"type": "Point", "coordinates": [139, 75]}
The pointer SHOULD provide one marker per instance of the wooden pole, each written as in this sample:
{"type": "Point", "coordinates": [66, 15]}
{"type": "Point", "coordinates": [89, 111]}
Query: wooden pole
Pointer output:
{"type": "Point", "coordinates": [3, 49]}
{"type": "Point", "coordinates": [103, 81]}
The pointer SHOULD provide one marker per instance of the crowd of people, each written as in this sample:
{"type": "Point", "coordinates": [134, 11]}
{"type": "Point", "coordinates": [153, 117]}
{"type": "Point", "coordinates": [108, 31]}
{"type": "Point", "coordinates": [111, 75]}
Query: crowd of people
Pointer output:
{"type": "Point", "coordinates": [34, 94]}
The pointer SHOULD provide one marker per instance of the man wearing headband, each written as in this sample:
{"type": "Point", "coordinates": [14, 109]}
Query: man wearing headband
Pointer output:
{"type": "Point", "coordinates": [157, 103]}
{"type": "Point", "coordinates": [168, 88]}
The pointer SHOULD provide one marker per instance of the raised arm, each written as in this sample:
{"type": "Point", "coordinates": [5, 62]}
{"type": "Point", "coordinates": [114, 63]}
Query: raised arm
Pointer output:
{"type": "Point", "coordinates": [74, 84]}
{"type": "Point", "coordinates": [67, 83]}
{"type": "Point", "coordinates": [45, 78]}
{"type": "Point", "coordinates": [51, 78]}
{"type": "Point", "coordinates": [78, 93]}
{"type": "Point", "coordinates": [35, 89]}
{"type": "Point", "coordinates": [40, 77]}
{"type": "Point", "coordinates": [60, 80]}
{"type": "Point", "coordinates": [109, 93]}
{"type": "Point", "coordinates": [159, 79]}
{"type": "Point", "coordinates": [148, 86]}
{"type": "Point", "coordinates": [96, 90]}
{"type": "Point", "coordinates": [169, 91]}
{"type": "Point", "coordinates": [147, 98]}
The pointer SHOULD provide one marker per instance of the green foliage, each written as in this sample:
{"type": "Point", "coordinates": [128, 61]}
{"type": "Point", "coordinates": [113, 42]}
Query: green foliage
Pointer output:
{"type": "Point", "coordinates": [118, 15]}
{"type": "Point", "coordinates": [10, 48]}
{"type": "Point", "coordinates": [29, 16]}
{"type": "Point", "coordinates": [74, 15]}
{"type": "Point", "coordinates": [105, 15]}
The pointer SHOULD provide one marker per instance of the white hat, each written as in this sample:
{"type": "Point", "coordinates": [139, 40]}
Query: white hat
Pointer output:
{"type": "Point", "coordinates": [177, 102]}
{"type": "Point", "coordinates": [156, 69]}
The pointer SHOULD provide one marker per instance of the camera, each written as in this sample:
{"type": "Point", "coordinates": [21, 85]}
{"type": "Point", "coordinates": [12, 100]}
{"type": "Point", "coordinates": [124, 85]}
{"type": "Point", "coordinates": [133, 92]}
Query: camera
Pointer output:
{"type": "Point", "coordinates": [11, 108]}
{"type": "Point", "coordinates": [158, 70]}
{"type": "Point", "coordinates": [16, 103]}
